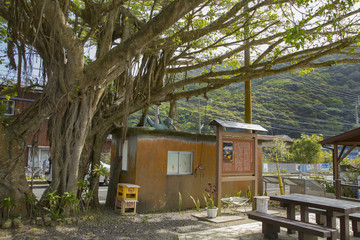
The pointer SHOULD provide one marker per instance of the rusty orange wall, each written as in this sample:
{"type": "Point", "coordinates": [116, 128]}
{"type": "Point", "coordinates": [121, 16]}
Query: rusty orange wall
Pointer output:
{"type": "Point", "coordinates": [159, 191]}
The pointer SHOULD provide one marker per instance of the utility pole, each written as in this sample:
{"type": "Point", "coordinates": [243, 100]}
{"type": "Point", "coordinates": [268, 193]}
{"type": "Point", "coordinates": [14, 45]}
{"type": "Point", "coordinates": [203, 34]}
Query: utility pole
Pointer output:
{"type": "Point", "coordinates": [248, 105]}
{"type": "Point", "coordinates": [199, 116]}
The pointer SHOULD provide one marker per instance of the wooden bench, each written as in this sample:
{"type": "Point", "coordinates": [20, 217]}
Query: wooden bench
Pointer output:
{"type": "Point", "coordinates": [354, 217]}
{"type": "Point", "coordinates": [355, 220]}
{"type": "Point", "coordinates": [306, 231]}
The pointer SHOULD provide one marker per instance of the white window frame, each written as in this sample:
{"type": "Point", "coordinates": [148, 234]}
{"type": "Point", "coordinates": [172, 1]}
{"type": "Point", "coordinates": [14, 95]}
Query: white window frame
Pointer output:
{"type": "Point", "coordinates": [10, 105]}
{"type": "Point", "coordinates": [180, 153]}
{"type": "Point", "coordinates": [125, 150]}
{"type": "Point", "coordinates": [38, 158]}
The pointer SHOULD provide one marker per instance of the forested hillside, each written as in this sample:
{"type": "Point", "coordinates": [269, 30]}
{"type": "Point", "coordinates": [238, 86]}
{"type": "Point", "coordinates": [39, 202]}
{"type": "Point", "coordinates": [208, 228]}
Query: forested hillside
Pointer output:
{"type": "Point", "coordinates": [321, 101]}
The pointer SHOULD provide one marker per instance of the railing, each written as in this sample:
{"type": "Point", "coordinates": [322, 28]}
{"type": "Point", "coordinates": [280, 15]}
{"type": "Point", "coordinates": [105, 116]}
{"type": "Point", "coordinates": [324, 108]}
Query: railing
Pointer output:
{"type": "Point", "coordinates": [338, 190]}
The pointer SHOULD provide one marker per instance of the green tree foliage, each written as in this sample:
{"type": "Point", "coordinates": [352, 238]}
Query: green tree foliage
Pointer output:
{"type": "Point", "coordinates": [280, 148]}
{"type": "Point", "coordinates": [306, 149]}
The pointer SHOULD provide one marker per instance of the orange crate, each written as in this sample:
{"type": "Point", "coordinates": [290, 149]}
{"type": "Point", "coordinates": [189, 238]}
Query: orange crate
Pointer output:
{"type": "Point", "coordinates": [127, 191]}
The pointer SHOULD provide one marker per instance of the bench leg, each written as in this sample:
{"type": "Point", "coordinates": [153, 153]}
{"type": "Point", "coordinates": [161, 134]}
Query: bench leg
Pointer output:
{"type": "Point", "coordinates": [290, 212]}
{"type": "Point", "coordinates": [320, 219]}
{"type": "Point", "coordinates": [344, 227]}
{"type": "Point", "coordinates": [355, 228]}
{"type": "Point", "coordinates": [304, 236]}
{"type": "Point", "coordinates": [270, 231]}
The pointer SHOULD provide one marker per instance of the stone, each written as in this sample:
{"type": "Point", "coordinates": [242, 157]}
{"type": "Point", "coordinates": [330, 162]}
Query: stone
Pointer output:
{"type": "Point", "coordinates": [47, 221]}
{"type": "Point", "coordinates": [69, 221]}
{"type": "Point", "coordinates": [7, 224]}
{"type": "Point", "coordinates": [39, 221]}
{"type": "Point", "coordinates": [17, 223]}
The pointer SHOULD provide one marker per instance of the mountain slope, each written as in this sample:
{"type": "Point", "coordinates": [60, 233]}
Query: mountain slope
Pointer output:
{"type": "Point", "coordinates": [321, 101]}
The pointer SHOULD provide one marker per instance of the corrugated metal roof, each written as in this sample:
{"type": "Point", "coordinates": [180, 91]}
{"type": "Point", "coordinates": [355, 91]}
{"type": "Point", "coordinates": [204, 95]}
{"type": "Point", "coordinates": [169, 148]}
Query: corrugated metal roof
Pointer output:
{"type": "Point", "coordinates": [237, 125]}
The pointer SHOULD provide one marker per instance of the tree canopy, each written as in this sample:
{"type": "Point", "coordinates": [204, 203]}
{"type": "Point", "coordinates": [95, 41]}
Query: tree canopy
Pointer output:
{"type": "Point", "coordinates": [306, 149]}
{"type": "Point", "coordinates": [105, 59]}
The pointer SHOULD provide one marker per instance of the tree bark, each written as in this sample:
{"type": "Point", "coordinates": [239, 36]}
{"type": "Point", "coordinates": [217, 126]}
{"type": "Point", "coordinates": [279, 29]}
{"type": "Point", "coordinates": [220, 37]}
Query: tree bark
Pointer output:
{"type": "Point", "coordinates": [13, 181]}
{"type": "Point", "coordinates": [70, 128]}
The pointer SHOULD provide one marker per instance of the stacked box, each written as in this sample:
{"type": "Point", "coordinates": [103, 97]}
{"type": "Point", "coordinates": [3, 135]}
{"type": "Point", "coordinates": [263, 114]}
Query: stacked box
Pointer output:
{"type": "Point", "coordinates": [126, 198]}
{"type": "Point", "coordinates": [127, 191]}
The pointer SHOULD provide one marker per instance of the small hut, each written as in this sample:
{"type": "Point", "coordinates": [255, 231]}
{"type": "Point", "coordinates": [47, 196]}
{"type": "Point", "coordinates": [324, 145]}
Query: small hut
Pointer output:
{"type": "Point", "coordinates": [165, 163]}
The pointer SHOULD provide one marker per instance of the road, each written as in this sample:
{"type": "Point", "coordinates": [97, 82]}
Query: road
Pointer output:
{"type": "Point", "coordinates": [39, 189]}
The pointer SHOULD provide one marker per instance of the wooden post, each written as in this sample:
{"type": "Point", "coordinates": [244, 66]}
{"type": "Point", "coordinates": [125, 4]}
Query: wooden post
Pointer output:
{"type": "Point", "coordinates": [219, 143]}
{"type": "Point", "coordinates": [337, 188]}
{"type": "Point", "coordinates": [336, 180]}
{"type": "Point", "coordinates": [256, 169]}
{"type": "Point", "coordinates": [248, 105]}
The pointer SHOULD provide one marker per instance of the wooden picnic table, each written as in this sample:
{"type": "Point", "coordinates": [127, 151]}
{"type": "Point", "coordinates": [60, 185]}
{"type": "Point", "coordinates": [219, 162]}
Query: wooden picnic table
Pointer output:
{"type": "Point", "coordinates": [334, 208]}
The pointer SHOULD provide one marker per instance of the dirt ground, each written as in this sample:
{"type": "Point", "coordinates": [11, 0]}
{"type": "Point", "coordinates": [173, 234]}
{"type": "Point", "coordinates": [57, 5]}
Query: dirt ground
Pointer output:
{"type": "Point", "coordinates": [108, 224]}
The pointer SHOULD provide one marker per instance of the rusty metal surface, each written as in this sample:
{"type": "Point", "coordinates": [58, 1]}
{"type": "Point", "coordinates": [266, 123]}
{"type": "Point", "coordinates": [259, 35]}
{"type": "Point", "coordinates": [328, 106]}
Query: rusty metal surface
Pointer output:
{"type": "Point", "coordinates": [237, 125]}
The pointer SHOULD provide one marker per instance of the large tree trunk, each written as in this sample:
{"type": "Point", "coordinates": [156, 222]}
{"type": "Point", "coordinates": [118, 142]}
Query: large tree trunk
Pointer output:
{"type": "Point", "coordinates": [13, 181]}
{"type": "Point", "coordinates": [69, 130]}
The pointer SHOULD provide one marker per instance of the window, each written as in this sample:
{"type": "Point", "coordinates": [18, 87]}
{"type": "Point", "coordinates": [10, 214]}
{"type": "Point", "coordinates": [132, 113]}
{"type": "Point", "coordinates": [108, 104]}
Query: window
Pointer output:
{"type": "Point", "coordinates": [124, 162]}
{"type": "Point", "coordinates": [9, 107]}
{"type": "Point", "coordinates": [179, 163]}
{"type": "Point", "coordinates": [38, 157]}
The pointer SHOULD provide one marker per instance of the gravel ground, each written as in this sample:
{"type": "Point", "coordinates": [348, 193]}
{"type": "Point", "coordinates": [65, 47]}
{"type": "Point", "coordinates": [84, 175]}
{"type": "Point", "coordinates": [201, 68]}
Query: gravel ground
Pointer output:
{"type": "Point", "coordinates": [111, 225]}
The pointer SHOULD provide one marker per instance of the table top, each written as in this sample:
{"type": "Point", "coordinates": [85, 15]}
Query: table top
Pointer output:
{"type": "Point", "coordinates": [330, 204]}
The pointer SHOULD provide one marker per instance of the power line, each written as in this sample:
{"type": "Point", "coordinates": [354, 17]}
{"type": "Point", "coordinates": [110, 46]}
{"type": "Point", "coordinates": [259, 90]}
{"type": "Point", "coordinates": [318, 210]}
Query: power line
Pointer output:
{"type": "Point", "coordinates": [302, 103]}
{"type": "Point", "coordinates": [287, 127]}
{"type": "Point", "coordinates": [329, 92]}
{"type": "Point", "coordinates": [299, 122]}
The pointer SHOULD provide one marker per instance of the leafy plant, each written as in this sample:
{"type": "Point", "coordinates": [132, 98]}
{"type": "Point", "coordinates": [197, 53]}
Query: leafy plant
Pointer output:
{"type": "Point", "coordinates": [86, 191]}
{"type": "Point", "coordinates": [239, 193]}
{"type": "Point", "coordinates": [180, 202]}
{"type": "Point", "coordinates": [196, 203]}
{"type": "Point", "coordinates": [86, 194]}
{"type": "Point", "coordinates": [8, 204]}
{"type": "Point", "coordinates": [32, 201]}
{"type": "Point", "coordinates": [248, 193]}
{"type": "Point", "coordinates": [209, 195]}
{"type": "Point", "coordinates": [70, 199]}
{"type": "Point", "coordinates": [55, 208]}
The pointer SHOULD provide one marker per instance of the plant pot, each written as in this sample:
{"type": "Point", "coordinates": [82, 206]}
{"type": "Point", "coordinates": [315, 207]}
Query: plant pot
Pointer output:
{"type": "Point", "coordinates": [212, 212]}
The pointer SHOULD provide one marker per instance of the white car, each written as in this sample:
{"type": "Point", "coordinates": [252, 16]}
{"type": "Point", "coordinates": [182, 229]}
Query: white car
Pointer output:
{"type": "Point", "coordinates": [103, 180]}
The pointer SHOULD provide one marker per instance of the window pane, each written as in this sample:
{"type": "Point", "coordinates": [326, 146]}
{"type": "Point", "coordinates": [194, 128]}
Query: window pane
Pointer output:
{"type": "Point", "coordinates": [124, 162]}
{"type": "Point", "coordinates": [185, 163]}
{"type": "Point", "coordinates": [173, 163]}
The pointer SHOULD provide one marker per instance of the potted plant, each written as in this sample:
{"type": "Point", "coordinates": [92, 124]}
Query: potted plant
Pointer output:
{"type": "Point", "coordinates": [209, 196]}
